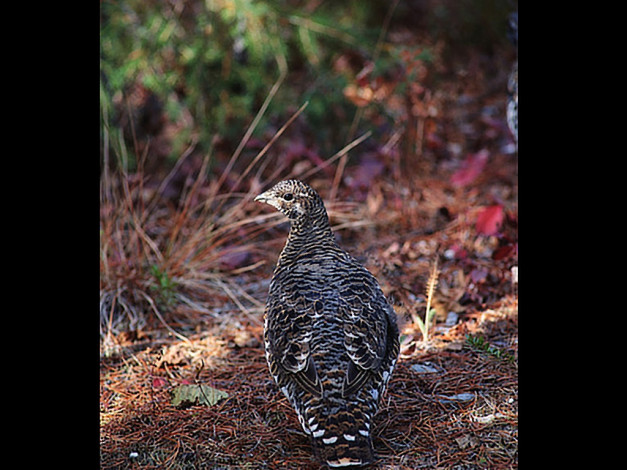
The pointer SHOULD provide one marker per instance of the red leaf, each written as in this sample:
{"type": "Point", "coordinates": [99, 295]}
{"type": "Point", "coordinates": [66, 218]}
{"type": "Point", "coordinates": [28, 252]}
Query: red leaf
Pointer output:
{"type": "Point", "coordinates": [471, 167]}
{"type": "Point", "coordinates": [505, 252]}
{"type": "Point", "coordinates": [159, 382]}
{"type": "Point", "coordinates": [490, 219]}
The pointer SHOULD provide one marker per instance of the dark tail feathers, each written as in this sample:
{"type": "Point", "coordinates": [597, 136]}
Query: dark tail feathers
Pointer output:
{"type": "Point", "coordinates": [347, 450]}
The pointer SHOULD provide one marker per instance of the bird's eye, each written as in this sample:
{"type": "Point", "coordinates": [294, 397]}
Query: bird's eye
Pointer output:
{"type": "Point", "coordinates": [288, 196]}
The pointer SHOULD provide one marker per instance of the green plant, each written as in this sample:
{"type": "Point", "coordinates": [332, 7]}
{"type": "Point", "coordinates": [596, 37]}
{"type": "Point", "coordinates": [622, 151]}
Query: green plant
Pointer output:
{"type": "Point", "coordinates": [210, 64]}
{"type": "Point", "coordinates": [479, 343]}
{"type": "Point", "coordinates": [165, 286]}
{"type": "Point", "coordinates": [424, 325]}
{"type": "Point", "coordinates": [206, 62]}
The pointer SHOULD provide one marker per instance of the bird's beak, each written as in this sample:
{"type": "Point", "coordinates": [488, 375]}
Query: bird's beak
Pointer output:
{"type": "Point", "coordinates": [263, 197]}
{"type": "Point", "coordinates": [269, 198]}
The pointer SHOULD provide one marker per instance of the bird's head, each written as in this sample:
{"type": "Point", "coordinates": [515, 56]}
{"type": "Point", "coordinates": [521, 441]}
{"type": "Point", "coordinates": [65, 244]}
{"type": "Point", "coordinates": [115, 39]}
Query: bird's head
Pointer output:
{"type": "Point", "coordinates": [293, 198]}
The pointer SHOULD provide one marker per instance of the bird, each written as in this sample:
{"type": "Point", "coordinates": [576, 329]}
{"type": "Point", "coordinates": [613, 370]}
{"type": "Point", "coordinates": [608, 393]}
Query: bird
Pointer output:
{"type": "Point", "coordinates": [331, 338]}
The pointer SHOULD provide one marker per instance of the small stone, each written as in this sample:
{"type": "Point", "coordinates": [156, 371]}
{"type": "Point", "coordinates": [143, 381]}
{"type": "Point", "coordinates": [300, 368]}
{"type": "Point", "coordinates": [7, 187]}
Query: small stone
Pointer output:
{"type": "Point", "coordinates": [423, 369]}
{"type": "Point", "coordinates": [460, 397]}
{"type": "Point", "coordinates": [451, 319]}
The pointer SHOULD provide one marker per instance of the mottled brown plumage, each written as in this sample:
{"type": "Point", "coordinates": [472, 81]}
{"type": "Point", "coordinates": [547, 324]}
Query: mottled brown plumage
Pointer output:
{"type": "Point", "coordinates": [331, 337]}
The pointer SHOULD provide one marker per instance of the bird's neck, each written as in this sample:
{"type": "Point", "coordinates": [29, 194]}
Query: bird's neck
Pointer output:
{"type": "Point", "coordinates": [307, 235]}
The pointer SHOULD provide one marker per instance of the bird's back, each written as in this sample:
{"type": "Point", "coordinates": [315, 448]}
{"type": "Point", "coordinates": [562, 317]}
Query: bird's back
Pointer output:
{"type": "Point", "coordinates": [330, 336]}
{"type": "Point", "coordinates": [322, 303]}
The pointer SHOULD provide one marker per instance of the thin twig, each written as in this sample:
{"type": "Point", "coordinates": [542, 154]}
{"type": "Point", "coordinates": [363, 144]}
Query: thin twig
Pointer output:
{"type": "Point", "coordinates": [339, 154]}
{"type": "Point", "coordinates": [269, 144]}
{"type": "Point", "coordinates": [188, 151]}
{"type": "Point", "coordinates": [234, 298]}
{"type": "Point", "coordinates": [158, 314]}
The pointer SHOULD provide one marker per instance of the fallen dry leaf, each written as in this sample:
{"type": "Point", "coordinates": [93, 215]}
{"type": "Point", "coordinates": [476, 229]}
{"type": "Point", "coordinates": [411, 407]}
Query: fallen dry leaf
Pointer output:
{"type": "Point", "coordinates": [188, 395]}
{"type": "Point", "coordinates": [490, 219]}
{"type": "Point", "coordinates": [470, 169]}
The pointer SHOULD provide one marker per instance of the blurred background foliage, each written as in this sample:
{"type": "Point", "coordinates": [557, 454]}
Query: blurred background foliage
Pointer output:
{"type": "Point", "coordinates": [179, 76]}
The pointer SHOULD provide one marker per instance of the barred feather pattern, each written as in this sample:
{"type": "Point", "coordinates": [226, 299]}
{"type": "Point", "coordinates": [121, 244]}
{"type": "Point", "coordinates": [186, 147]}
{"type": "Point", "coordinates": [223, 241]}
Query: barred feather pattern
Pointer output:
{"type": "Point", "coordinates": [331, 338]}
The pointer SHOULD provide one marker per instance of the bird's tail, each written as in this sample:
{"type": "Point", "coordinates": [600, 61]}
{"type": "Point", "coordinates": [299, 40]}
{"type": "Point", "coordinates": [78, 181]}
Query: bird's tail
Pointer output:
{"type": "Point", "coordinates": [337, 451]}
{"type": "Point", "coordinates": [343, 445]}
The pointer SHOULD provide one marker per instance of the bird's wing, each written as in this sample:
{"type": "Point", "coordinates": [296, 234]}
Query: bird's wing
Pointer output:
{"type": "Point", "coordinates": [364, 311]}
{"type": "Point", "coordinates": [289, 334]}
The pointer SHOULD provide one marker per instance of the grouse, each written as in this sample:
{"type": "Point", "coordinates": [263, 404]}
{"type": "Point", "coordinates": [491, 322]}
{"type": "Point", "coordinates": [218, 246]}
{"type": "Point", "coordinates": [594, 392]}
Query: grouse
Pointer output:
{"type": "Point", "coordinates": [331, 338]}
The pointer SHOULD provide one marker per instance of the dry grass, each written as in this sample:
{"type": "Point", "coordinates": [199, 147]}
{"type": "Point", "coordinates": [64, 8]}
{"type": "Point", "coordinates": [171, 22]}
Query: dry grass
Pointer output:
{"type": "Point", "coordinates": [154, 258]}
{"type": "Point", "coordinates": [161, 265]}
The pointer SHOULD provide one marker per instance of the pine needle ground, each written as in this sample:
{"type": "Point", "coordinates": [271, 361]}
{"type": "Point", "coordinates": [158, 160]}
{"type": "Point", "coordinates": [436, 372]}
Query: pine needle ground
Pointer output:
{"type": "Point", "coordinates": [463, 414]}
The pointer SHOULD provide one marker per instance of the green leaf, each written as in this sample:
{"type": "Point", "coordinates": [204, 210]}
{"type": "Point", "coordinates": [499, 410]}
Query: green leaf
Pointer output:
{"type": "Point", "coordinates": [184, 396]}
{"type": "Point", "coordinates": [431, 315]}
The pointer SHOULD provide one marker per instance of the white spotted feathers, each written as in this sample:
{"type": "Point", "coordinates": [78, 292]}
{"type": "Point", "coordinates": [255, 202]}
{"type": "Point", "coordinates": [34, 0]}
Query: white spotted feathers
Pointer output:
{"type": "Point", "coordinates": [330, 336]}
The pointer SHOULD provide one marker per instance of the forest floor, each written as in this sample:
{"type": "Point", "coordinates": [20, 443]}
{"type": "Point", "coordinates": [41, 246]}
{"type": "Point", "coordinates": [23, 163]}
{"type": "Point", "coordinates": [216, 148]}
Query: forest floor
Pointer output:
{"type": "Point", "coordinates": [452, 401]}
{"type": "Point", "coordinates": [449, 405]}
